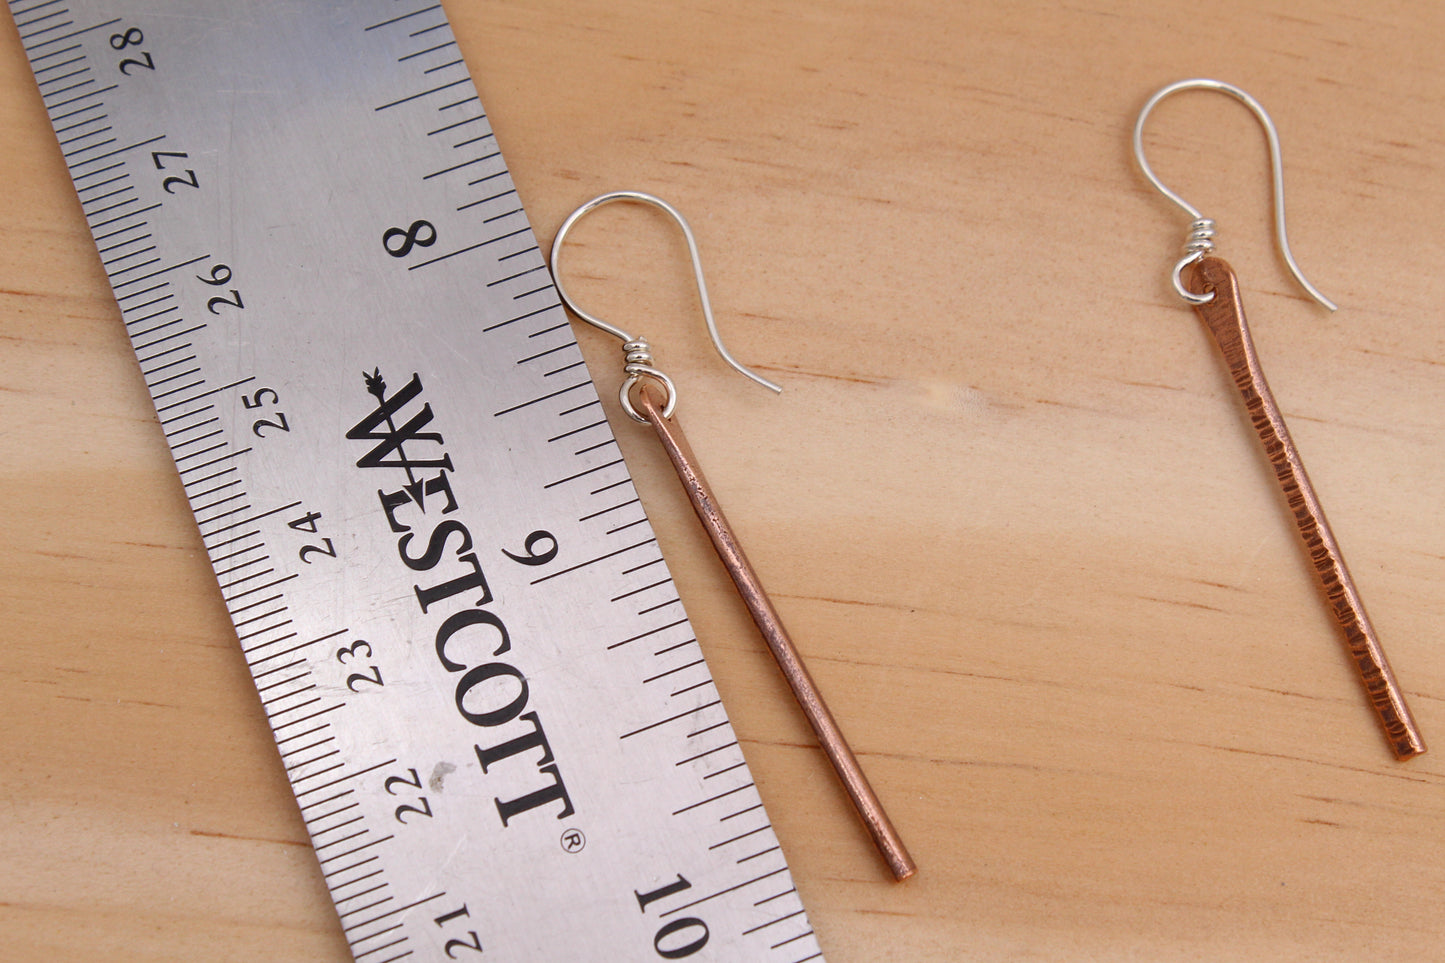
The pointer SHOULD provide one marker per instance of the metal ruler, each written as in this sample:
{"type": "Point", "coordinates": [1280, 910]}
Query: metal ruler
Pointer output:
{"type": "Point", "coordinates": [495, 717]}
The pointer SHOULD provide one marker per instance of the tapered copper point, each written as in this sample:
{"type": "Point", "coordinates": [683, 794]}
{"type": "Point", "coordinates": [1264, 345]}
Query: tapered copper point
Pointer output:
{"type": "Point", "coordinates": [649, 404]}
{"type": "Point", "coordinates": [1224, 316]}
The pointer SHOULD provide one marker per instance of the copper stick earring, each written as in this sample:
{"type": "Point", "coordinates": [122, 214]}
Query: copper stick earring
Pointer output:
{"type": "Point", "coordinates": [649, 396]}
{"type": "Point", "coordinates": [1217, 303]}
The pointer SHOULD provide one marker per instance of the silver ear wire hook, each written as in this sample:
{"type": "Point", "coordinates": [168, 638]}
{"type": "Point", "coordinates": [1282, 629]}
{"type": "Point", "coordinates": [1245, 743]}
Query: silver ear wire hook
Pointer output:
{"type": "Point", "coordinates": [638, 352]}
{"type": "Point", "coordinates": [1201, 236]}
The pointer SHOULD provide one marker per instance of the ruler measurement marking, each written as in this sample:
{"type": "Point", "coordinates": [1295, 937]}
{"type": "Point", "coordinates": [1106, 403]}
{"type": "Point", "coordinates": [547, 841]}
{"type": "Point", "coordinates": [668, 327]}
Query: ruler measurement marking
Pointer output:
{"type": "Point", "coordinates": [98, 105]}
{"type": "Point", "coordinates": [787, 892]}
{"type": "Point", "coordinates": [469, 120]}
{"type": "Point", "coordinates": [405, 16]}
{"type": "Point", "coordinates": [711, 799]}
{"type": "Point", "coordinates": [643, 635]}
{"type": "Point", "coordinates": [740, 812]}
{"type": "Point", "coordinates": [211, 421]}
{"type": "Point", "coordinates": [424, 93]}
{"type": "Point", "coordinates": [361, 909]}
{"type": "Point", "coordinates": [116, 207]}
{"type": "Point", "coordinates": [314, 715]}
{"type": "Point", "coordinates": [77, 99]}
{"type": "Point", "coordinates": [474, 140]}
{"type": "Point", "coordinates": [378, 949]}
{"type": "Point", "coordinates": [121, 257]}
{"type": "Point", "coordinates": [521, 317]}
{"type": "Point", "coordinates": [239, 565]}
{"type": "Point", "coordinates": [750, 832]}
{"type": "Point", "coordinates": [295, 648]}
{"type": "Point", "coordinates": [716, 725]}
{"type": "Point", "coordinates": [258, 676]}
{"type": "Point", "coordinates": [402, 909]}
{"type": "Point", "coordinates": [543, 354]}
{"type": "Point", "coordinates": [214, 461]}
{"type": "Point", "coordinates": [124, 175]}
{"type": "Point", "coordinates": [295, 678]}
{"type": "Point", "coordinates": [145, 332]}
{"type": "Point", "coordinates": [369, 859]}
{"type": "Point", "coordinates": [474, 247]}
{"type": "Point", "coordinates": [594, 561]}
{"type": "Point", "coordinates": [719, 772]}
{"type": "Point", "coordinates": [687, 689]}
{"type": "Point", "coordinates": [173, 267]}
{"type": "Point", "coordinates": [583, 473]}
{"type": "Point", "coordinates": [745, 859]}
{"type": "Point", "coordinates": [374, 872]}
{"type": "Point", "coordinates": [681, 645]}
{"type": "Point", "coordinates": [706, 752]}
{"type": "Point", "coordinates": [108, 23]}
{"type": "Point", "coordinates": [513, 277]}
{"type": "Point", "coordinates": [263, 615]}
{"type": "Point", "coordinates": [163, 340]}
{"type": "Point", "coordinates": [49, 29]}
{"type": "Point", "coordinates": [326, 755]}
{"type": "Point", "coordinates": [162, 354]}
{"type": "Point", "coordinates": [262, 631]}
{"type": "Point", "coordinates": [152, 316]}
{"type": "Point", "coordinates": [287, 695]}
{"type": "Point", "coordinates": [119, 150]}
{"type": "Point", "coordinates": [439, 67]}
{"type": "Point", "coordinates": [601, 444]}
{"type": "Point", "coordinates": [662, 722]}
{"type": "Point", "coordinates": [113, 220]}
{"type": "Point", "coordinates": [63, 63]}
{"type": "Point", "coordinates": [135, 213]}
{"type": "Point", "coordinates": [344, 839]}
{"type": "Point", "coordinates": [763, 926]}
{"type": "Point", "coordinates": [498, 217]}
{"type": "Point", "coordinates": [630, 501]}
{"type": "Point", "coordinates": [220, 501]}
{"type": "Point", "coordinates": [619, 528]}
{"type": "Point", "coordinates": [66, 90]}
{"type": "Point", "coordinates": [352, 852]}
{"type": "Point", "coordinates": [794, 939]}
{"type": "Point", "coordinates": [663, 675]}
{"type": "Point", "coordinates": [457, 167]}
{"type": "Point", "coordinates": [337, 812]}
{"type": "Point", "coordinates": [525, 250]}
{"type": "Point", "coordinates": [546, 397]}
{"type": "Point", "coordinates": [354, 775]}
{"type": "Point", "coordinates": [723, 892]}
{"type": "Point", "coordinates": [393, 959]}
{"type": "Point", "coordinates": [419, 53]}
{"type": "Point", "coordinates": [83, 69]}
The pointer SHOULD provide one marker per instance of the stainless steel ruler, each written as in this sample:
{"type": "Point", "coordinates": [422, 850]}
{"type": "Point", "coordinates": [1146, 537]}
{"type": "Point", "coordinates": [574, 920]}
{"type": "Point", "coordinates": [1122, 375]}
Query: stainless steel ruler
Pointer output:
{"type": "Point", "coordinates": [494, 714]}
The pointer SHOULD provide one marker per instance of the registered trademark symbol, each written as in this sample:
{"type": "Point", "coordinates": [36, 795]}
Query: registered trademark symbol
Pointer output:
{"type": "Point", "coordinates": [573, 841]}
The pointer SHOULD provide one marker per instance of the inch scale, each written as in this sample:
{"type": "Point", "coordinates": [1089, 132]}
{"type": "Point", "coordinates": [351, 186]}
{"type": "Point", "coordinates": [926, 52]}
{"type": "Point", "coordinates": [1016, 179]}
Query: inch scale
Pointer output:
{"type": "Point", "coordinates": [493, 712]}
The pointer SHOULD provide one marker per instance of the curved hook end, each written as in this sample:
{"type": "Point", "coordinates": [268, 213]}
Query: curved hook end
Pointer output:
{"type": "Point", "coordinates": [1276, 174]}
{"type": "Point", "coordinates": [676, 215]}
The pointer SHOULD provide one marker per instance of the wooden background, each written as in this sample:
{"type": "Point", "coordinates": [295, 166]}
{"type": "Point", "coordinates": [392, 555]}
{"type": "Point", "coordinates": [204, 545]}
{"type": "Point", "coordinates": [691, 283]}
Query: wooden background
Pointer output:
{"type": "Point", "coordinates": [1008, 502]}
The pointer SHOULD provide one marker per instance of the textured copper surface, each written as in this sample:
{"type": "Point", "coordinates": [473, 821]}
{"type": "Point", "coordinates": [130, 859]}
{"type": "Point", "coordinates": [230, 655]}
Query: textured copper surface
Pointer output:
{"type": "Point", "coordinates": [890, 845]}
{"type": "Point", "coordinates": [1224, 316]}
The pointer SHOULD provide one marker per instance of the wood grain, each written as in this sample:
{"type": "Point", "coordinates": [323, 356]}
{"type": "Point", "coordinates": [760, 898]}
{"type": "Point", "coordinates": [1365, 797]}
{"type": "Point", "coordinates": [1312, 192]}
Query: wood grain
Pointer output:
{"type": "Point", "coordinates": [1007, 502]}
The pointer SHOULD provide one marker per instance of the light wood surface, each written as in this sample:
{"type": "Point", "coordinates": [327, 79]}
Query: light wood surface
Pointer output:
{"type": "Point", "coordinates": [1008, 501]}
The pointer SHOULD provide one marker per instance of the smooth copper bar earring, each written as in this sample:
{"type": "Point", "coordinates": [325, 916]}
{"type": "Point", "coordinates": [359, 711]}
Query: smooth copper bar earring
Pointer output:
{"type": "Point", "coordinates": [648, 396]}
{"type": "Point", "coordinates": [1214, 292]}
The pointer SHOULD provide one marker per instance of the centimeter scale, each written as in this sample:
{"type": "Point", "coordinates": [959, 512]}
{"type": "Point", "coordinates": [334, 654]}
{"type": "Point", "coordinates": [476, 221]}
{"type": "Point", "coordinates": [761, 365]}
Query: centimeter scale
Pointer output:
{"type": "Point", "coordinates": [494, 715]}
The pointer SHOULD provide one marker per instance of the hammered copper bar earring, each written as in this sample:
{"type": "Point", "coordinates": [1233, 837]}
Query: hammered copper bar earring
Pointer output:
{"type": "Point", "coordinates": [648, 396]}
{"type": "Point", "coordinates": [1214, 292]}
